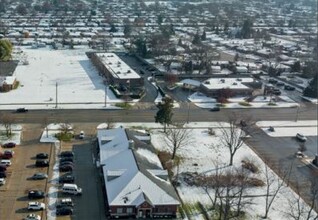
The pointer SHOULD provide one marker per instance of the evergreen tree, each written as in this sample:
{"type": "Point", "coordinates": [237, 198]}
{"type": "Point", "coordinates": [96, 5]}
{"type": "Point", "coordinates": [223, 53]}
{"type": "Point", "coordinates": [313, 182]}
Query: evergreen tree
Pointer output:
{"type": "Point", "coordinates": [203, 36]}
{"type": "Point", "coordinates": [113, 28]}
{"type": "Point", "coordinates": [164, 114]}
{"type": "Point", "coordinates": [312, 89]}
{"type": "Point", "coordinates": [5, 50]}
{"type": "Point", "coordinates": [196, 40]}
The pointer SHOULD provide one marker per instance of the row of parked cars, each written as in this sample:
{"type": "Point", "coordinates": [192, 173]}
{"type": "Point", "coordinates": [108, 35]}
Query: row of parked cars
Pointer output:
{"type": "Point", "coordinates": [5, 160]}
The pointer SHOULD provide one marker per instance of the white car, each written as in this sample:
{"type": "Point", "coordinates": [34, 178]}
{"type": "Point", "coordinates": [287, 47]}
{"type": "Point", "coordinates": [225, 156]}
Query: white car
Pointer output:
{"type": "Point", "coordinates": [2, 181]}
{"type": "Point", "coordinates": [32, 217]}
{"type": "Point", "coordinates": [36, 206]}
{"type": "Point", "coordinates": [301, 137]}
{"type": "Point", "coordinates": [81, 135]}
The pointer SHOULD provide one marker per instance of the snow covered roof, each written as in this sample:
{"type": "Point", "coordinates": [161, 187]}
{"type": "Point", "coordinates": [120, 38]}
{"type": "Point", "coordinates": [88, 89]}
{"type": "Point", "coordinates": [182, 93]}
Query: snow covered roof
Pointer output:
{"type": "Point", "coordinates": [117, 67]}
{"type": "Point", "coordinates": [231, 83]}
{"type": "Point", "coordinates": [132, 171]}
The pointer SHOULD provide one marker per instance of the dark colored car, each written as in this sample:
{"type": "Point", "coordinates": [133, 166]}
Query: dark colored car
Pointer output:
{"type": "Point", "coordinates": [289, 88]}
{"type": "Point", "coordinates": [66, 154]}
{"type": "Point", "coordinates": [63, 159]}
{"type": "Point", "coordinates": [66, 163]}
{"type": "Point", "coordinates": [36, 194]}
{"type": "Point", "coordinates": [42, 156]}
{"type": "Point", "coordinates": [6, 154]}
{"type": "Point", "coordinates": [3, 168]}
{"type": "Point", "coordinates": [66, 168]}
{"type": "Point", "coordinates": [277, 92]}
{"type": "Point", "coordinates": [42, 163]}
{"type": "Point", "coordinates": [64, 211]}
{"type": "Point", "coordinates": [39, 176]}
{"type": "Point", "coordinates": [215, 109]}
{"type": "Point", "coordinates": [68, 178]}
{"type": "Point", "coordinates": [3, 174]}
{"type": "Point", "coordinates": [21, 110]}
{"type": "Point", "coordinates": [280, 84]}
{"type": "Point", "coordinates": [9, 145]}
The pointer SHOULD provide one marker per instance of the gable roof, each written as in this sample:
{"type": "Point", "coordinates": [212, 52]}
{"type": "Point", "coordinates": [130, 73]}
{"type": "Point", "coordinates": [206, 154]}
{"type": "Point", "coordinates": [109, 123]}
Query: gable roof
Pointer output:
{"type": "Point", "coordinates": [132, 171]}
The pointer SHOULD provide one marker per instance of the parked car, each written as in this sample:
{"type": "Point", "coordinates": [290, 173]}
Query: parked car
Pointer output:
{"type": "Point", "coordinates": [7, 154]}
{"type": "Point", "coordinates": [63, 159]}
{"type": "Point", "coordinates": [3, 168]}
{"type": "Point", "coordinates": [66, 168]}
{"type": "Point", "coordinates": [5, 162]}
{"type": "Point", "coordinates": [2, 181]}
{"type": "Point", "coordinates": [66, 154]}
{"type": "Point", "coordinates": [301, 137]}
{"type": "Point", "coordinates": [39, 176]}
{"type": "Point", "coordinates": [9, 145]}
{"type": "Point", "coordinates": [42, 163]}
{"type": "Point", "coordinates": [32, 217]}
{"type": "Point", "coordinates": [67, 202]}
{"type": "Point", "coordinates": [215, 109]}
{"type": "Point", "coordinates": [3, 174]}
{"type": "Point", "coordinates": [21, 110]}
{"type": "Point", "coordinates": [36, 194]}
{"type": "Point", "coordinates": [64, 163]}
{"type": "Point", "coordinates": [277, 92]}
{"type": "Point", "coordinates": [42, 156]}
{"type": "Point", "coordinates": [81, 135]}
{"type": "Point", "coordinates": [64, 211]}
{"type": "Point", "coordinates": [68, 178]}
{"type": "Point", "coordinates": [289, 88]}
{"type": "Point", "coordinates": [36, 206]}
{"type": "Point", "coordinates": [280, 84]}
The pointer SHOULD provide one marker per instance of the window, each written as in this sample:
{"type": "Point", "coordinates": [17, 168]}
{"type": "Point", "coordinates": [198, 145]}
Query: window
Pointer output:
{"type": "Point", "coordinates": [119, 210]}
{"type": "Point", "coordinates": [129, 210]}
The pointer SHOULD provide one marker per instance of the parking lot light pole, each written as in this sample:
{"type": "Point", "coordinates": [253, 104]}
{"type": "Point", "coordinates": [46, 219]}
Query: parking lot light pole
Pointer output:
{"type": "Point", "coordinates": [56, 85]}
{"type": "Point", "coordinates": [105, 101]}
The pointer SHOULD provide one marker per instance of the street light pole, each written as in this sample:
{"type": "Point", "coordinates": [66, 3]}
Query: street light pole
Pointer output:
{"type": "Point", "coordinates": [56, 85]}
{"type": "Point", "coordinates": [105, 96]}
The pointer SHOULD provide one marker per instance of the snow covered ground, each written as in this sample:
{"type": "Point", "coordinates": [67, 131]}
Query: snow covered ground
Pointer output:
{"type": "Point", "coordinates": [66, 74]}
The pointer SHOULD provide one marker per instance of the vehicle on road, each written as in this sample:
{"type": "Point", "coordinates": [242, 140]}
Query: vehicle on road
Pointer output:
{"type": "Point", "coordinates": [21, 110]}
{"type": "Point", "coordinates": [68, 178]}
{"type": "Point", "coordinates": [72, 189]}
{"type": "Point", "coordinates": [9, 145]}
{"type": "Point", "coordinates": [215, 109]}
{"type": "Point", "coordinates": [64, 211]}
{"type": "Point", "coordinates": [39, 176]}
{"type": "Point", "coordinates": [66, 154]}
{"type": "Point", "coordinates": [66, 168]}
{"type": "Point", "coordinates": [42, 163]}
{"type": "Point", "coordinates": [42, 156]}
{"type": "Point", "coordinates": [67, 202]}
{"type": "Point", "coordinates": [2, 181]}
{"type": "Point", "coordinates": [81, 135]}
{"type": "Point", "coordinates": [32, 217]}
{"type": "Point", "coordinates": [36, 194]}
{"type": "Point", "coordinates": [36, 206]}
{"type": "Point", "coordinates": [301, 137]}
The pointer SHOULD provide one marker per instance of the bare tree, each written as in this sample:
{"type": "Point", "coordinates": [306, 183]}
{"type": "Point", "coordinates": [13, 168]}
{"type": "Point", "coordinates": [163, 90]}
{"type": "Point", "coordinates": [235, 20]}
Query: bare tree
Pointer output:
{"type": "Point", "coordinates": [7, 120]}
{"type": "Point", "coordinates": [109, 123]}
{"type": "Point", "coordinates": [177, 138]}
{"type": "Point", "coordinates": [65, 128]}
{"type": "Point", "coordinates": [232, 136]}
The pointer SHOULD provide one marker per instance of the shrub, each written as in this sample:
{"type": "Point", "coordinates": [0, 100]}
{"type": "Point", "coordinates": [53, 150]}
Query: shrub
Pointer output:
{"type": "Point", "coordinates": [249, 165]}
{"type": "Point", "coordinates": [244, 103]}
{"type": "Point", "coordinates": [64, 136]}
{"type": "Point", "coordinates": [123, 105]}
{"type": "Point", "coordinates": [211, 131]}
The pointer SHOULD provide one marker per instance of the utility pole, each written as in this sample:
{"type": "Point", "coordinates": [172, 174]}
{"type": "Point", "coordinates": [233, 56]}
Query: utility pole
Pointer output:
{"type": "Point", "coordinates": [105, 96]}
{"type": "Point", "coordinates": [188, 113]}
{"type": "Point", "coordinates": [56, 85]}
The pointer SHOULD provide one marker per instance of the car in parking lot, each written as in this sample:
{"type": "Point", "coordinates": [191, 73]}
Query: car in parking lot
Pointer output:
{"type": "Point", "coordinates": [42, 163]}
{"type": "Point", "coordinates": [9, 145]}
{"type": "Point", "coordinates": [289, 88]}
{"type": "Point", "coordinates": [66, 168]}
{"type": "Point", "coordinates": [3, 174]}
{"type": "Point", "coordinates": [36, 194]}
{"type": "Point", "coordinates": [32, 217]}
{"type": "Point", "coordinates": [3, 168]}
{"type": "Point", "coordinates": [66, 202]}
{"type": "Point", "coordinates": [64, 163]}
{"type": "Point", "coordinates": [2, 181]}
{"type": "Point", "coordinates": [5, 162]}
{"type": "Point", "coordinates": [280, 84]}
{"type": "Point", "coordinates": [42, 156]}
{"type": "Point", "coordinates": [66, 154]}
{"type": "Point", "coordinates": [276, 92]}
{"type": "Point", "coordinates": [81, 135]}
{"type": "Point", "coordinates": [21, 110]}
{"type": "Point", "coordinates": [63, 159]}
{"type": "Point", "coordinates": [36, 206]}
{"type": "Point", "coordinates": [7, 154]}
{"type": "Point", "coordinates": [67, 178]}
{"type": "Point", "coordinates": [39, 176]}
{"type": "Point", "coordinates": [64, 211]}
{"type": "Point", "coordinates": [215, 109]}
{"type": "Point", "coordinates": [301, 137]}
